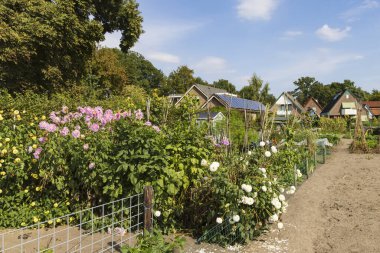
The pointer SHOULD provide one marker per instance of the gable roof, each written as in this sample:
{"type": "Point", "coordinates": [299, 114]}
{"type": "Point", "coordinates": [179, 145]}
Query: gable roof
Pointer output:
{"type": "Point", "coordinates": [314, 100]}
{"type": "Point", "coordinates": [292, 99]}
{"type": "Point", "coordinates": [237, 103]}
{"type": "Point", "coordinates": [206, 90]}
{"type": "Point", "coordinates": [334, 100]}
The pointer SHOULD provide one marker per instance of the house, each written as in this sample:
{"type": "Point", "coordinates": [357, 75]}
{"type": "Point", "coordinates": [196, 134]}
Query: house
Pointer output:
{"type": "Point", "coordinates": [285, 106]}
{"type": "Point", "coordinates": [202, 92]}
{"type": "Point", "coordinates": [342, 104]}
{"type": "Point", "coordinates": [374, 107]}
{"type": "Point", "coordinates": [313, 107]}
{"type": "Point", "coordinates": [233, 102]}
{"type": "Point", "coordinates": [174, 98]}
{"type": "Point", "coordinates": [213, 117]}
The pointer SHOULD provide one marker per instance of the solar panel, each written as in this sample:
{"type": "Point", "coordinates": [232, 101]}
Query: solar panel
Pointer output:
{"type": "Point", "coordinates": [241, 103]}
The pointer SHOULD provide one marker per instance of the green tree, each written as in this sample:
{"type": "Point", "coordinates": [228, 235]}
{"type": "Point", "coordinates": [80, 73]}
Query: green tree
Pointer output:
{"type": "Point", "coordinates": [108, 72]}
{"type": "Point", "coordinates": [179, 80]}
{"type": "Point", "coordinates": [47, 44]}
{"type": "Point", "coordinates": [305, 88]}
{"type": "Point", "coordinates": [225, 84]}
{"type": "Point", "coordinates": [374, 96]}
{"type": "Point", "coordinates": [257, 90]}
{"type": "Point", "coordinates": [142, 72]}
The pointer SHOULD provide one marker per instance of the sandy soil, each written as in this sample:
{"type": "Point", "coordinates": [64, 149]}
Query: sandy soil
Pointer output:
{"type": "Point", "coordinates": [336, 210]}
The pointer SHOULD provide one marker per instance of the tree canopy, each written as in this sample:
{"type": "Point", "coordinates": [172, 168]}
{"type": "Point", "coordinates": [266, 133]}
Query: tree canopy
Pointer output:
{"type": "Point", "coordinates": [225, 84]}
{"type": "Point", "coordinates": [47, 44]}
{"type": "Point", "coordinates": [257, 90]}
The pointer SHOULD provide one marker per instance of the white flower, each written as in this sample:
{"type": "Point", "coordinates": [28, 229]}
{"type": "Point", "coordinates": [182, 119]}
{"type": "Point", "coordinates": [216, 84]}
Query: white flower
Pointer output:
{"type": "Point", "coordinates": [246, 163]}
{"type": "Point", "coordinates": [249, 152]}
{"type": "Point", "coordinates": [263, 170]}
{"type": "Point", "coordinates": [281, 197]}
{"type": "Point", "coordinates": [282, 190]}
{"type": "Point", "coordinates": [276, 203]}
{"type": "Point", "coordinates": [250, 201]}
{"type": "Point", "coordinates": [204, 163]}
{"type": "Point", "coordinates": [255, 194]}
{"type": "Point", "coordinates": [273, 218]}
{"type": "Point", "coordinates": [264, 188]}
{"type": "Point", "coordinates": [157, 213]}
{"type": "Point", "coordinates": [236, 218]}
{"type": "Point", "coordinates": [280, 225]}
{"type": "Point", "coordinates": [292, 188]}
{"type": "Point", "coordinates": [267, 153]}
{"type": "Point", "coordinates": [299, 174]}
{"type": "Point", "coordinates": [214, 166]}
{"type": "Point", "coordinates": [274, 149]}
{"type": "Point", "coordinates": [246, 187]}
{"type": "Point", "coordinates": [219, 220]}
{"type": "Point", "coordinates": [262, 144]}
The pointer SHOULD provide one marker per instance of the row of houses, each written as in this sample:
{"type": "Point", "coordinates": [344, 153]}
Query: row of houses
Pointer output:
{"type": "Point", "coordinates": [343, 104]}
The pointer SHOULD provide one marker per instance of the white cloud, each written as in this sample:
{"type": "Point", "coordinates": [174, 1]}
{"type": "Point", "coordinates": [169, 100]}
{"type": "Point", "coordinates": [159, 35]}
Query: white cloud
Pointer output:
{"type": "Point", "coordinates": [332, 34]}
{"type": "Point", "coordinates": [163, 57]}
{"type": "Point", "coordinates": [211, 64]}
{"type": "Point", "coordinates": [354, 13]}
{"type": "Point", "coordinates": [287, 35]}
{"type": "Point", "coordinates": [256, 9]}
{"type": "Point", "coordinates": [320, 63]}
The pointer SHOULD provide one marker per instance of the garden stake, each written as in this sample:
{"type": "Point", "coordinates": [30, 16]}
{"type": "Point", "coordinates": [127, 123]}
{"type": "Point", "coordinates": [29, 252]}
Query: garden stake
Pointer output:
{"type": "Point", "coordinates": [148, 206]}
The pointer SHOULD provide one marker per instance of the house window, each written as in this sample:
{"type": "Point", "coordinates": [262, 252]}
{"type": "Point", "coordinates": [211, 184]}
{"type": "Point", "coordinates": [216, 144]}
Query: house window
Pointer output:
{"type": "Point", "coordinates": [347, 96]}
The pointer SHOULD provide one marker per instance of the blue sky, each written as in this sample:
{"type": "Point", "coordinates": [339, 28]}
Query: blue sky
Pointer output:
{"type": "Point", "coordinates": [279, 40]}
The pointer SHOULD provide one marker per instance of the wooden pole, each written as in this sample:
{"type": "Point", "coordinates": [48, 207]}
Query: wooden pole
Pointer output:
{"type": "Point", "coordinates": [148, 208]}
{"type": "Point", "coordinates": [295, 175]}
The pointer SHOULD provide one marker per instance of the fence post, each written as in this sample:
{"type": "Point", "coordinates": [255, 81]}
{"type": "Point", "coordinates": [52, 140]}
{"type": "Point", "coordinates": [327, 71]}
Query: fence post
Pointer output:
{"type": "Point", "coordinates": [307, 167]}
{"type": "Point", "coordinates": [324, 154]}
{"type": "Point", "coordinates": [295, 175]}
{"type": "Point", "coordinates": [148, 208]}
{"type": "Point", "coordinates": [315, 160]}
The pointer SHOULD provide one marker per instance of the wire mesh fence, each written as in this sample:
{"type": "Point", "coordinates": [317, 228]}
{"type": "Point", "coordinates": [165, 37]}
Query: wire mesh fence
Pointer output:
{"type": "Point", "coordinates": [102, 228]}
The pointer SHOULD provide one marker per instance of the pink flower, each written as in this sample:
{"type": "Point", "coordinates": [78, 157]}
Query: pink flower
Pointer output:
{"type": "Point", "coordinates": [77, 127]}
{"type": "Point", "coordinates": [156, 128]}
{"type": "Point", "coordinates": [91, 165]}
{"type": "Point", "coordinates": [148, 123]}
{"type": "Point", "coordinates": [65, 131]}
{"type": "Point", "coordinates": [76, 133]}
{"type": "Point", "coordinates": [65, 109]}
{"type": "Point", "coordinates": [225, 141]}
{"type": "Point", "coordinates": [139, 114]}
{"type": "Point", "coordinates": [117, 116]}
{"type": "Point", "coordinates": [51, 128]}
{"type": "Point", "coordinates": [37, 153]}
{"type": "Point", "coordinates": [43, 125]}
{"type": "Point", "coordinates": [94, 127]}
{"type": "Point", "coordinates": [85, 146]}
{"type": "Point", "coordinates": [42, 139]}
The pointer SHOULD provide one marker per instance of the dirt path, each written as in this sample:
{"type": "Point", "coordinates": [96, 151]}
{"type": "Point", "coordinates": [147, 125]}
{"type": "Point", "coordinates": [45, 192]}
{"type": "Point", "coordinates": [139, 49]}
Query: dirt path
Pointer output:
{"type": "Point", "coordinates": [336, 210]}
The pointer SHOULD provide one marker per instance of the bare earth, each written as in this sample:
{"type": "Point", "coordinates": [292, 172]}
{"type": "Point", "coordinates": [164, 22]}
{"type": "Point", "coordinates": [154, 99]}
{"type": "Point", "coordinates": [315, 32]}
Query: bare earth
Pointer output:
{"type": "Point", "coordinates": [336, 210]}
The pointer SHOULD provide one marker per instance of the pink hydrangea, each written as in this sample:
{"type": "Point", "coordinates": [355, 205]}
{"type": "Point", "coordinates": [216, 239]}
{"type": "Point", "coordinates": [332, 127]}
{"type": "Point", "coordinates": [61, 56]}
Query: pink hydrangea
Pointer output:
{"type": "Point", "coordinates": [148, 123]}
{"type": "Point", "coordinates": [42, 139]}
{"type": "Point", "coordinates": [156, 128]}
{"type": "Point", "coordinates": [51, 128]}
{"type": "Point", "coordinates": [43, 125]}
{"type": "Point", "coordinates": [37, 153]}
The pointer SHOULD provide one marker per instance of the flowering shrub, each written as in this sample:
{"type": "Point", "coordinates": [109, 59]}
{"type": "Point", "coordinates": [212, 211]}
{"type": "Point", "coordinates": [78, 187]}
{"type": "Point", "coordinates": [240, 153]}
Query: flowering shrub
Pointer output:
{"type": "Point", "coordinates": [50, 166]}
{"type": "Point", "coordinates": [248, 190]}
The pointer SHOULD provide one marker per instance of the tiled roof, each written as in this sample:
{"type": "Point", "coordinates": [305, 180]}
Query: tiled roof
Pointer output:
{"type": "Point", "coordinates": [209, 90]}
{"type": "Point", "coordinates": [241, 103]}
{"type": "Point", "coordinates": [372, 104]}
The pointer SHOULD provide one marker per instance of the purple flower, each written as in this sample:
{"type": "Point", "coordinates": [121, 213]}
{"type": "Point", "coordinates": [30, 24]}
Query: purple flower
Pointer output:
{"type": "Point", "coordinates": [43, 125]}
{"type": "Point", "coordinates": [51, 128]}
{"type": "Point", "coordinates": [42, 139]}
{"type": "Point", "coordinates": [37, 153]}
{"type": "Point", "coordinates": [85, 146]}
{"type": "Point", "coordinates": [156, 128]}
{"type": "Point", "coordinates": [65, 131]}
{"type": "Point", "coordinates": [225, 141]}
{"type": "Point", "coordinates": [117, 116]}
{"type": "Point", "coordinates": [77, 127]}
{"type": "Point", "coordinates": [94, 127]}
{"type": "Point", "coordinates": [148, 123]}
{"type": "Point", "coordinates": [91, 165]}
{"type": "Point", "coordinates": [139, 114]}
{"type": "Point", "coordinates": [76, 133]}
